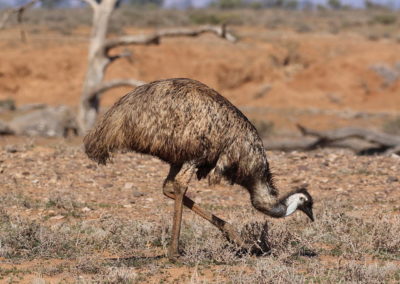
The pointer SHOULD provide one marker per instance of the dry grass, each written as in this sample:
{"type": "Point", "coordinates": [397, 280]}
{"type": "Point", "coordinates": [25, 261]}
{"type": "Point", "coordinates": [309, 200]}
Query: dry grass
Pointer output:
{"type": "Point", "coordinates": [365, 251]}
{"type": "Point", "coordinates": [86, 235]}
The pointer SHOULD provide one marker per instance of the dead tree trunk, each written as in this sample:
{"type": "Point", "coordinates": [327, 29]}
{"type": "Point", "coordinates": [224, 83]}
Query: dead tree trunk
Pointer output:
{"type": "Point", "coordinates": [360, 140]}
{"type": "Point", "coordinates": [20, 13]}
{"type": "Point", "coordinates": [97, 63]}
{"type": "Point", "coordinates": [99, 58]}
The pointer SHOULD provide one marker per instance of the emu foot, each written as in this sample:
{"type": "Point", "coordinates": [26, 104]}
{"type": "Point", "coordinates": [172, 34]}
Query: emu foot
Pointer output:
{"type": "Point", "coordinates": [255, 236]}
{"type": "Point", "coordinates": [253, 239]}
{"type": "Point", "coordinates": [174, 255]}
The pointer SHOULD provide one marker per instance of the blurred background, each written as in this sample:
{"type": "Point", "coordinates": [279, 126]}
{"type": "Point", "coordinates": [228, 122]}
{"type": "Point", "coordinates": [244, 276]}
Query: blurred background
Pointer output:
{"type": "Point", "coordinates": [320, 63]}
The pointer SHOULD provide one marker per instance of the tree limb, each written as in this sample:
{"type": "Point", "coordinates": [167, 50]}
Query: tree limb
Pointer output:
{"type": "Point", "coordinates": [312, 143]}
{"type": "Point", "coordinates": [156, 37]}
{"type": "Point", "coordinates": [125, 53]}
{"type": "Point", "coordinates": [18, 10]}
{"type": "Point", "coordinates": [105, 86]}
{"type": "Point", "coordinates": [394, 150]}
{"type": "Point", "coordinates": [360, 140]}
{"type": "Point", "coordinates": [5, 17]}
{"type": "Point", "coordinates": [383, 139]}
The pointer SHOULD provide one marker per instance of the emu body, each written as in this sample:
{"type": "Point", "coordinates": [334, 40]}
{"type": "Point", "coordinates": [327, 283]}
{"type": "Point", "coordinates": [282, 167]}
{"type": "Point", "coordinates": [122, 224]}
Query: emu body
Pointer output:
{"type": "Point", "coordinates": [198, 132]}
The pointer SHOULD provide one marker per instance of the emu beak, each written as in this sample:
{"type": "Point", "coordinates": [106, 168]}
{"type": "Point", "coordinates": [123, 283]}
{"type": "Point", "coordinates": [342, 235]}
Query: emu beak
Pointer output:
{"type": "Point", "coordinates": [308, 211]}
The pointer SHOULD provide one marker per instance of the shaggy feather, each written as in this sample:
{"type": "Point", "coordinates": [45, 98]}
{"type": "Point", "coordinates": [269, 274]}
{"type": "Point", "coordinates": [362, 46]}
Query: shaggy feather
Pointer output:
{"type": "Point", "coordinates": [179, 121]}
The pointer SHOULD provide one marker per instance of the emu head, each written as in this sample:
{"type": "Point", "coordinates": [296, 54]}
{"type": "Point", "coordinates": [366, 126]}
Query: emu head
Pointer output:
{"type": "Point", "coordinates": [301, 200]}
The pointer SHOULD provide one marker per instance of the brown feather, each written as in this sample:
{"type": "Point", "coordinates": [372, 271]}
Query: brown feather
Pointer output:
{"type": "Point", "coordinates": [183, 121]}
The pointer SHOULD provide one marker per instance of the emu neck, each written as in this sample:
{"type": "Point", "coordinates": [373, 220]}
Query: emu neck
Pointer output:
{"type": "Point", "coordinates": [265, 202]}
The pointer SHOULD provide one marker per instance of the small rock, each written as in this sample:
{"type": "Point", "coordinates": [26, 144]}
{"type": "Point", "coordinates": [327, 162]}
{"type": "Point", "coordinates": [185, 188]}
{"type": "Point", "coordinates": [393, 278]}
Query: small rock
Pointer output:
{"type": "Point", "coordinates": [138, 194]}
{"type": "Point", "coordinates": [302, 168]}
{"type": "Point", "coordinates": [86, 209]}
{"type": "Point", "coordinates": [11, 149]}
{"type": "Point", "coordinates": [127, 206]}
{"type": "Point", "coordinates": [324, 180]}
{"type": "Point", "coordinates": [392, 179]}
{"type": "Point", "coordinates": [128, 185]}
{"type": "Point", "coordinates": [332, 157]}
{"type": "Point", "coordinates": [108, 185]}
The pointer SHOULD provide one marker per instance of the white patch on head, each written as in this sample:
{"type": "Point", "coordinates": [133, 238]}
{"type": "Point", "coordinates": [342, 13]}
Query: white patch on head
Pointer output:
{"type": "Point", "coordinates": [293, 201]}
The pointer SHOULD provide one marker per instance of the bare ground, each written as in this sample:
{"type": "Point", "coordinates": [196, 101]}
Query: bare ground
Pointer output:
{"type": "Point", "coordinates": [66, 219]}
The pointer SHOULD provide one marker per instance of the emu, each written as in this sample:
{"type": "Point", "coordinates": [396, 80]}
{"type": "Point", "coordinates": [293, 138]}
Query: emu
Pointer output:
{"type": "Point", "coordinates": [199, 133]}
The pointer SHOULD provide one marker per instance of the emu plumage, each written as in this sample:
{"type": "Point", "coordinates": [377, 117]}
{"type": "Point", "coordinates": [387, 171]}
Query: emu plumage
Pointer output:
{"type": "Point", "coordinates": [198, 132]}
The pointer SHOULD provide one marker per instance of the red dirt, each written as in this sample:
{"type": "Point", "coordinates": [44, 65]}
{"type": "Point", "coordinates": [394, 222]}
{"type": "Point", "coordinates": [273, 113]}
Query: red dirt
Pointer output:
{"type": "Point", "coordinates": [327, 71]}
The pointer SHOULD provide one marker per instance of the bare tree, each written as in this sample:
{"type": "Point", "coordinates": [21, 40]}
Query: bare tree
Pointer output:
{"type": "Point", "coordinates": [99, 57]}
{"type": "Point", "coordinates": [19, 11]}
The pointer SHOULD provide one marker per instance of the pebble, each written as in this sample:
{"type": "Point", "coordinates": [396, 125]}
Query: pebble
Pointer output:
{"type": "Point", "coordinates": [138, 194]}
{"type": "Point", "coordinates": [324, 180]}
{"type": "Point", "coordinates": [11, 149]}
{"type": "Point", "coordinates": [128, 185]}
{"type": "Point", "coordinates": [392, 179]}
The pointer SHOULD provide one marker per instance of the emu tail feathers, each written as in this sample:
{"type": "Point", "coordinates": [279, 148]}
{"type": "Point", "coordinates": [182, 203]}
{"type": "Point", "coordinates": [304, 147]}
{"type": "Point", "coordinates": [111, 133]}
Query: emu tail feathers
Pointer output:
{"type": "Point", "coordinates": [95, 149]}
{"type": "Point", "coordinates": [104, 138]}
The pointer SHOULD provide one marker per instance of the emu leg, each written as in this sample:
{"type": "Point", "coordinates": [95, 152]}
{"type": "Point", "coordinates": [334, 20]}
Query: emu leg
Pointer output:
{"type": "Point", "coordinates": [227, 229]}
{"type": "Point", "coordinates": [176, 184]}
{"type": "Point", "coordinates": [173, 251]}
{"type": "Point", "coordinates": [175, 178]}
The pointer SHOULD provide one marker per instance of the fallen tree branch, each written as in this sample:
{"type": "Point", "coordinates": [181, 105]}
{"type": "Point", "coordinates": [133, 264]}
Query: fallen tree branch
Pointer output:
{"type": "Point", "coordinates": [105, 86]}
{"type": "Point", "coordinates": [177, 32]}
{"type": "Point", "coordinates": [360, 140]}
{"type": "Point", "coordinates": [312, 143]}
{"type": "Point", "coordinates": [382, 139]}
{"type": "Point", "coordinates": [394, 150]}
{"type": "Point", "coordinates": [125, 53]}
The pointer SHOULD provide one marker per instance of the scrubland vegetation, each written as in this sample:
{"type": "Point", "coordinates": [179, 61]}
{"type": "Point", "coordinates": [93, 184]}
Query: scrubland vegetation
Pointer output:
{"type": "Point", "coordinates": [74, 221]}
{"type": "Point", "coordinates": [64, 219]}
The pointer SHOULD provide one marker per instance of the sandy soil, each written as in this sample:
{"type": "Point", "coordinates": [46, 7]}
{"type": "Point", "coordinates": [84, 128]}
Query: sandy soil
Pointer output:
{"type": "Point", "coordinates": [267, 73]}
{"type": "Point", "coordinates": [36, 171]}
